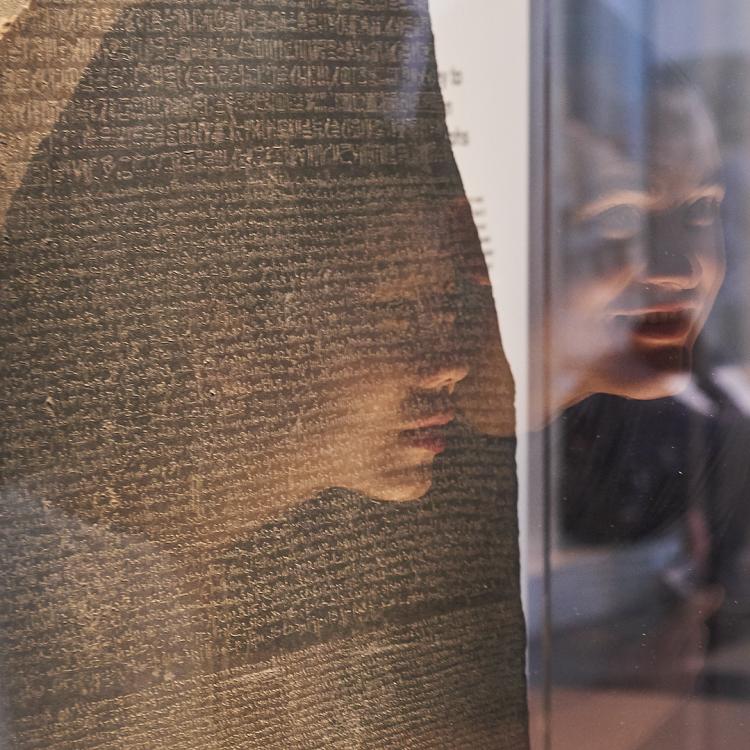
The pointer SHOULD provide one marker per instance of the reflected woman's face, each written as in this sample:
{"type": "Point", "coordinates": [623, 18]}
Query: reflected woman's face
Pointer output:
{"type": "Point", "coordinates": [397, 402]}
{"type": "Point", "coordinates": [387, 396]}
{"type": "Point", "coordinates": [641, 256]}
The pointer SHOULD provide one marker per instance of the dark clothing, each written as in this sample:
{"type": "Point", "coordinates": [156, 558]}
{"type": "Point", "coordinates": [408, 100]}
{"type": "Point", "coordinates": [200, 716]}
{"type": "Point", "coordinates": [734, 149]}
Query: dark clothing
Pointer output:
{"type": "Point", "coordinates": [344, 623]}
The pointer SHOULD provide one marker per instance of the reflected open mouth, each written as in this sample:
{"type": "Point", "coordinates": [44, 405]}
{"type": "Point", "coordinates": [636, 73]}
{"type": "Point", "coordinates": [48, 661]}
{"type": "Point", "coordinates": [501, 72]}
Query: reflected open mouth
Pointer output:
{"type": "Point", "coordinates": [428, 433]}
{"type": "Point", "coordinates": [659, 326]}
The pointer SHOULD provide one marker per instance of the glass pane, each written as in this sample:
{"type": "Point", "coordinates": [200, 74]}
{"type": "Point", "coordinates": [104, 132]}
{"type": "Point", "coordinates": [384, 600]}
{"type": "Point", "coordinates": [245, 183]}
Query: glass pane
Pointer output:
{"type": "Point", "coordinates": [641, 412]}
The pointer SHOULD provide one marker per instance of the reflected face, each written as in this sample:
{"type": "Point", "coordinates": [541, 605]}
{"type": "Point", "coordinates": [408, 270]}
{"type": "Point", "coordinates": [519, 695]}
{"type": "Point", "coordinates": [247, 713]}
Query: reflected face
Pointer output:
{"type": "Point", "coordinates": [347, 367]}
{"type": "Point", "coordinates": [388, 402]}
{"type": "Point", "coordinates": [641, 259]}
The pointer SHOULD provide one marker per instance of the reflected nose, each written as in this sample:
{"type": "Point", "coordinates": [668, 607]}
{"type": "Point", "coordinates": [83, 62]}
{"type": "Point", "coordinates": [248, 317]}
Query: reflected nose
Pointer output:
{"type": "Point", "coordinates": [669, 256]}
{"type": "Point", "coordinates": [444, 377]}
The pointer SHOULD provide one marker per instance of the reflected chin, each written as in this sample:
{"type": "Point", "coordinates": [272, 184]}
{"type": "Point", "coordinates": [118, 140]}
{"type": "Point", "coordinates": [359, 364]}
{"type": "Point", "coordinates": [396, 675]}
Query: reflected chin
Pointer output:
{"type": "Point", "coordinates": [659, 387]}
{"type": "Point", "coordinates": [405, 485]}
{"type": "Point", "coordinates": [651, 374]}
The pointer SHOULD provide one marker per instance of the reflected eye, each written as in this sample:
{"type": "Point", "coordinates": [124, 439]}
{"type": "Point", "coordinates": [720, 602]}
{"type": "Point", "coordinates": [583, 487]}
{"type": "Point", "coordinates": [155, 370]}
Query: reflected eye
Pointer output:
{"type": "Point", "coordinates": [622, 222]}
{"type": "Point", "coordinates": [702, 212]}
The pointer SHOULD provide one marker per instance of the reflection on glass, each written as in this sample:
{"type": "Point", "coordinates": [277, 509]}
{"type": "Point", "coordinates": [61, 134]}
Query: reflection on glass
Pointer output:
{"type": "Point", "coordinates": [640, 247]}
{"type": "Point", "coordinates": [644, 440]}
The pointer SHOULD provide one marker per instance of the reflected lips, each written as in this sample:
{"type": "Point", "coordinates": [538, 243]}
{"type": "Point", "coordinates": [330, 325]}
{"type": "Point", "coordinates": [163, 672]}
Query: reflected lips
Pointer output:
{"type": "Point", "coordinates": [660, 325]}
{"type": "Point", "coordinates": [428, 433]}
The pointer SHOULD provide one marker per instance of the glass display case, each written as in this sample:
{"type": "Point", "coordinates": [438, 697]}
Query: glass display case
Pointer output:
{"type": "Point", "coordinates": [374, 374]}
{"type": "Point", "coordinates": [639, 168]}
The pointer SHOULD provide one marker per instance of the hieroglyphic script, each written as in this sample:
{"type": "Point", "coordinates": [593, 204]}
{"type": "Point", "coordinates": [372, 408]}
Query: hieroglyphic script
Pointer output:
{"type": "Point", "coordinates": [242, 287]}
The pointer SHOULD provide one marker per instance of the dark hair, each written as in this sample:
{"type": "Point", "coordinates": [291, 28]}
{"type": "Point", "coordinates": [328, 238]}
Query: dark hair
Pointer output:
{"type": "Point", "coordinates": [612, 75]}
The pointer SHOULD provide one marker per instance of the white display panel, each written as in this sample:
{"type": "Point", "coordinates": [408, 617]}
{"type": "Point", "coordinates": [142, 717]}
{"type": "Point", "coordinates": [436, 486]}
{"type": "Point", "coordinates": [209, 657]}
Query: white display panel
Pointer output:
{"type": "Point", "coordinates": [483, 52]}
